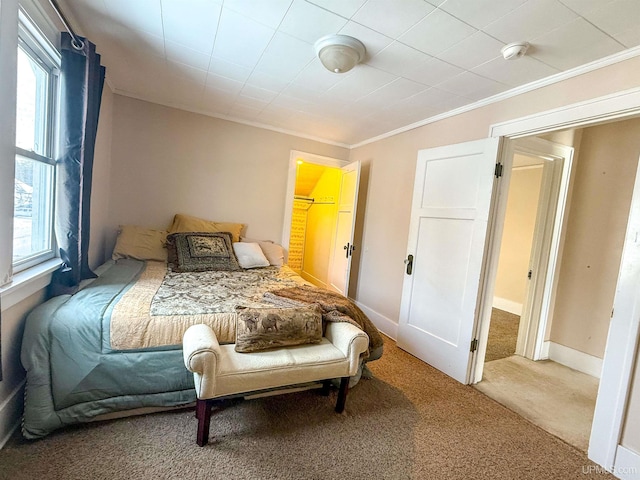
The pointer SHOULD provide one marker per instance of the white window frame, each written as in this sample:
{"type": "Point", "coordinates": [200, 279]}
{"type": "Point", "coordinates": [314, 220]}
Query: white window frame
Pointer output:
{"type": "Point", "coordinates": [36, 45]}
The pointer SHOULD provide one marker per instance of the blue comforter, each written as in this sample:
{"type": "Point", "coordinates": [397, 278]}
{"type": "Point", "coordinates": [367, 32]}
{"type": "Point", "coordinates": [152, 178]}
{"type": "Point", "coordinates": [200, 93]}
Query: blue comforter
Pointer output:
{"type": "Point", "coordinates": [72, 373]}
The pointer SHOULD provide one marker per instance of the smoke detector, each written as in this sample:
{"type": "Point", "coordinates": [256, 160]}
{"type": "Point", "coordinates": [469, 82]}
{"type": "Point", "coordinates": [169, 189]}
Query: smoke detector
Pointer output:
{"type": "Point", "coordinates": [514, 50]}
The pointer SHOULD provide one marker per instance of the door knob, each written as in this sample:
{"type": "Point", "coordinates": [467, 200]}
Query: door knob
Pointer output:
{"type": "Point", "coordinates": [409, 263]}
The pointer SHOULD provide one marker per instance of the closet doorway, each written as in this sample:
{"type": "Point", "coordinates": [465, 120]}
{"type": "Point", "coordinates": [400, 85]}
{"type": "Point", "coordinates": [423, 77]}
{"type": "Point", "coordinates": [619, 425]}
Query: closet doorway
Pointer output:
{"type": "Point", "coordinates": [320, 212]}
{"type": "Point", "coordinates": [313, 221]}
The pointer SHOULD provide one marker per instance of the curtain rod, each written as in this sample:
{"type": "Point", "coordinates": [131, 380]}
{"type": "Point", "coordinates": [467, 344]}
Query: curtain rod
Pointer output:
{"type": "Point", "coordinates": [75, 41]}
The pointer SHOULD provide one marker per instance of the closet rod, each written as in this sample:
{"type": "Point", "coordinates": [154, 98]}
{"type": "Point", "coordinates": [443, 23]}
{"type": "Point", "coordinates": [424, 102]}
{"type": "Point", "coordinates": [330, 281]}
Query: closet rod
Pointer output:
{"type": "Point", "coordinates": [300, 197]}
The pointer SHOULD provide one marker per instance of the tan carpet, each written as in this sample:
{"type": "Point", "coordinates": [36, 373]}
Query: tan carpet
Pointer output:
{"type": "Point", "coordinates": [409, 422]}
{"type": "Point", "coordinates": [554, 397]}
{"type": "Point", "coordinates": [503, 335]}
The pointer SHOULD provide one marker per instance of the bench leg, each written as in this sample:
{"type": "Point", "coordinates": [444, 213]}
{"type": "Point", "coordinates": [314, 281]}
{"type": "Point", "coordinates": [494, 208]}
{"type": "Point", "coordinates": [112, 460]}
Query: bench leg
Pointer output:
{"type": "Point", "coordinates": [203, 414]}
{"type": "Point", "coordinates": [326, 386]}
{"type": "Point", "coordinates": [342, 394]}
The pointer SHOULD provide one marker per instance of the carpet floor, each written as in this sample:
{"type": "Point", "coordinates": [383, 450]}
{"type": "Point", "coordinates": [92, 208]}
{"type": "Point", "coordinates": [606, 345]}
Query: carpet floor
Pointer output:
{"type": "Point", "coordinates": [556, 398]}
{"type": "Point", "coordinates": [408, 422]}
{"type": "Point", "coordinates": [503, 335]}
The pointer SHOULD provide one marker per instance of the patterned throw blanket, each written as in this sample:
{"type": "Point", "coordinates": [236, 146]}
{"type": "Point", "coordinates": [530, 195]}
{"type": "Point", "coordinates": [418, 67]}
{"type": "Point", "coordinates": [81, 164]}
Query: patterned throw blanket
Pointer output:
{"type": "Point", "coordinates": [335, 308]}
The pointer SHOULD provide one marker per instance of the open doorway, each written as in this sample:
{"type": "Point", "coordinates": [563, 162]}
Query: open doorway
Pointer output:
{"type": "Point", "coordinates": [313, 221]}
{"type": "Point", "coordinates": [556, 398]}
{"type": "Point", "coordinates": [514, 272]}
{"type": "Point", "coordinates": [557, 386]}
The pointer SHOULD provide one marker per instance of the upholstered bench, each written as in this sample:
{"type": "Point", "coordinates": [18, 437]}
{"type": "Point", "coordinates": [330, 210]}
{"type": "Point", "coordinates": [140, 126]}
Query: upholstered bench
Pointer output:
{"type": "Point", "coordinates": [219, 371]}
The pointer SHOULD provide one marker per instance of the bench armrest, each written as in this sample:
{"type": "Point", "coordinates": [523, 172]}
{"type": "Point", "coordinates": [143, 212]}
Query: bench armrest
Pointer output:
{"type": "Point", "coordinates": [350, 340]}
{"type": "Point", "coordinates": [202, 354]}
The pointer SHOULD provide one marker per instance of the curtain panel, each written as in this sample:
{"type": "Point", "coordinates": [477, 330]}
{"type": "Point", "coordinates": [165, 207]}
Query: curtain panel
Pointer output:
{"type": "Point", "coordinates": [81, 83]}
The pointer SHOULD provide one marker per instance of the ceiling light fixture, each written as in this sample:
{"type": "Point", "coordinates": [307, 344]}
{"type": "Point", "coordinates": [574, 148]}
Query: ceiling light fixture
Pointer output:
{"type": "Point", "coordinates": [339, 53]}
{"type": "Point", "coordinates": [514, 50]}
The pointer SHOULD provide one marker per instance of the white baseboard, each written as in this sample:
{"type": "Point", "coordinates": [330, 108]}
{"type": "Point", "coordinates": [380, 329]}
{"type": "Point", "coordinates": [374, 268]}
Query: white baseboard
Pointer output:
{"type": "Point", "coordinates": [544, 355]}
{"type": "Point", "coordinates": [384, 324]}
{"type": "Point", "coordinates": [580, 361]}
{"type": "Point", "coordinates": [507, 305]}
{"type": "Point", "coordinates": [310, 278]}
{"type": "Point", "coordinates": [627, 464]}
{"type": "Point", "coordinates": [11, 413]}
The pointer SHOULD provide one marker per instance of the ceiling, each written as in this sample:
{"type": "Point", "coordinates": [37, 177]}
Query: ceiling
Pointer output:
{"type": "Point", "coordinates": [253, 60]}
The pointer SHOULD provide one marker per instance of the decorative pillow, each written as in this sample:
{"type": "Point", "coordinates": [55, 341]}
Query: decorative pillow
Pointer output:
{"type": "Point", "coordinates": [187, 223]}
{"type": "Point", "coordinates": [273, 251]}
{"type": "Point", "coordinates": [263, 328]}
{"type": "Point", "coordinates": [140, 243]}
{"type": "Point", "coordinates": [250, 255]}
{"type": "Point", "coordinates": [201, 252]}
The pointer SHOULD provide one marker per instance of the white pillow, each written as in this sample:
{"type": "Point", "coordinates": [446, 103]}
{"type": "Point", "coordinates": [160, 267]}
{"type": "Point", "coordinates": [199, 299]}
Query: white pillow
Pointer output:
{"type": "Point", "coordinates": [273, 251]}
{"type": "Point", "coordinates": [250, 255]}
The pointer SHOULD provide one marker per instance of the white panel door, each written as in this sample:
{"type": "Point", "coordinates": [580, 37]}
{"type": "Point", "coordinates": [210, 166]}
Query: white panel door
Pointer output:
{"type": "Point", "coordinates": [447, 232]}
{"type": "Point", "coordinates": [342, 244]}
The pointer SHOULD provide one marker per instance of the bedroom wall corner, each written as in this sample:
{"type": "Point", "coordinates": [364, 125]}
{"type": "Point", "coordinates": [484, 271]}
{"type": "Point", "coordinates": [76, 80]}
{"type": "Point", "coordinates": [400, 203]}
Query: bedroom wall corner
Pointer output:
{"type": "Point", "coordinates": [391, 162]}
{"type": "Point", "coordinates": [99, 245]}
{"type": "Point", "coordinates": [166, 161]}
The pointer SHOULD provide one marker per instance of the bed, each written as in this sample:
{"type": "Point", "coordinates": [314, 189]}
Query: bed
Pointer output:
{"type": "Point", "coordinates": [114, 347]}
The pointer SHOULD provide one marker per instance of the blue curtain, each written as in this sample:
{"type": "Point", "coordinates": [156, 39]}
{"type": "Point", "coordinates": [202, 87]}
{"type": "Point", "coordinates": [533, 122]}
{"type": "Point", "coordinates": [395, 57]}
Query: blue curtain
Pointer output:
{"type": "Point", "coordinates": [81, 82]}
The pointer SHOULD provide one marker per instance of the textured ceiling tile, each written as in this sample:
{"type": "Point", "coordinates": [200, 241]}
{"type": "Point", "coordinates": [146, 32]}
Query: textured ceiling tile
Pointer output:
{"type": "Point", "coordinates": [392, 18]}
{"type": "Point", "coordinates": [437, 32]}
{"type": "Point", "coordinates": [344, 8]}
{"type": "Point", "coordinates": [480, 13]}
{"type": "Point", "coordinates": [309, 22]}
{"type": "Point", "coordinates": [246, 50]}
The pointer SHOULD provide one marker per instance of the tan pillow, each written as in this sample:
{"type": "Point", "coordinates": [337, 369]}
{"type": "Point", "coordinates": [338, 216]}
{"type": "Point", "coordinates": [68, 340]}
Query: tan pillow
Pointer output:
{"type": "Point", "coordinates": [187, 223]}
{"type": "Point", "coordinates": [273, 251]}
{"type": "Point", "coordinates": [140, 243]}
{"type": "Point", "coordinates": [263, 328]}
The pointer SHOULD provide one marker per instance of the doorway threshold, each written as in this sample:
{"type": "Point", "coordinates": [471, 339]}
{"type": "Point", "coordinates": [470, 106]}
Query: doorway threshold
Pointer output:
{"type": "Point", "coordinates": [554, 397]}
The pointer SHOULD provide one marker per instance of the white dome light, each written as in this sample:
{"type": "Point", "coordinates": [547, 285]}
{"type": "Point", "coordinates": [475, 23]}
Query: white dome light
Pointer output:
{"type": "Point", "coordinates": [339, 53]}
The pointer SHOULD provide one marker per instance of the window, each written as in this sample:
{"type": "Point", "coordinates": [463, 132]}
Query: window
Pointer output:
{"type": "Point", "coordinates": [36, 121]}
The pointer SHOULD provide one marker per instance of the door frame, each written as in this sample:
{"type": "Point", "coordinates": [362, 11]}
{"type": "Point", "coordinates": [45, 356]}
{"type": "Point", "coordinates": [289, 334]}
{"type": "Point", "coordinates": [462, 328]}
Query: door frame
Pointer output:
{"type": "Point", "coordinates": [619, 359]}
{"type": "Point", "coordinates": [550, 221]}
{"type": "Point", "coordinates": [294, 156]}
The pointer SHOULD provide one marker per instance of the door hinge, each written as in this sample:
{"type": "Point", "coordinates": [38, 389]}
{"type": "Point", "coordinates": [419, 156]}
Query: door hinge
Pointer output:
{"type": "Point", "coordinates": [498, 171]}
{"type": "Point", "coordinates": [474, 345]}
{"type": "Point", "coordinates": [529, 274]}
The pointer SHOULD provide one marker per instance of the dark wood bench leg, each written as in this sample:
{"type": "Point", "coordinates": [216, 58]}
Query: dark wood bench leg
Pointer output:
{"type": "Point", "coordinates": [203, 414]}
{"type": "Point", "coordinates": [342, 394]}
{"type": "Point", "coordinates": [326, 386]}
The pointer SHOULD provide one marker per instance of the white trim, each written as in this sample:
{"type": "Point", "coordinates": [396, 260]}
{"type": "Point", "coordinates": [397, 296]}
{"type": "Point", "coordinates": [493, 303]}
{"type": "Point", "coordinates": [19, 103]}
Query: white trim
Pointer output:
{"type": "Point", "coordinates": [229, 118]}
{"type": "Point", "coordinates": [627, 465]}
{"type": "Point", "coordinates": [507, 305]}
{"type": "Point", "coordinates": [544, 82]}
{"type": "Point", "coordinates": [619, 358]}
{"type": "Point", "coordinates": [544, 353]}
{"type": "Point", "coordinates": [575, 359]}
{"type": "Point", "coordinates": [545, 247]}
{"type": "Point", "coordinates": [28, 282]}
{"type": "Point", "coordinates": [384, 324]}
{"type": "Point", "coordinates": [11, 413]}
{"type": "Point", "coordinates": [610, 107]}
{"type": "Point", "coordinates": [622, 342]}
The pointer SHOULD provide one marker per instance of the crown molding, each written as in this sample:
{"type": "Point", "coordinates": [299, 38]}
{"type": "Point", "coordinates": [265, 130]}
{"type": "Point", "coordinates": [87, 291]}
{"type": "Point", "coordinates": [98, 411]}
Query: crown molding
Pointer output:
{"type": "Point", "coordinates": [558, 77]}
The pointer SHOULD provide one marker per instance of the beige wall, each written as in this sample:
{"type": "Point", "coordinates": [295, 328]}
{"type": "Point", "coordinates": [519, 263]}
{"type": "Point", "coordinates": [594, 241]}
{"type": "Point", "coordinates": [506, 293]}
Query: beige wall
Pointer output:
{"type": "Point", "coordinates": [517, 235]}
{"type": "Point", "coordinates": [165, 161]}
{"type": "Point", "coordinates": [321, 221]}
{"type": "Point", "coordinates": [100, 188]}
{"type": "Point", "coordinates": [597, 221]}
{"type": "Point", "coordinates": [389, 165]}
